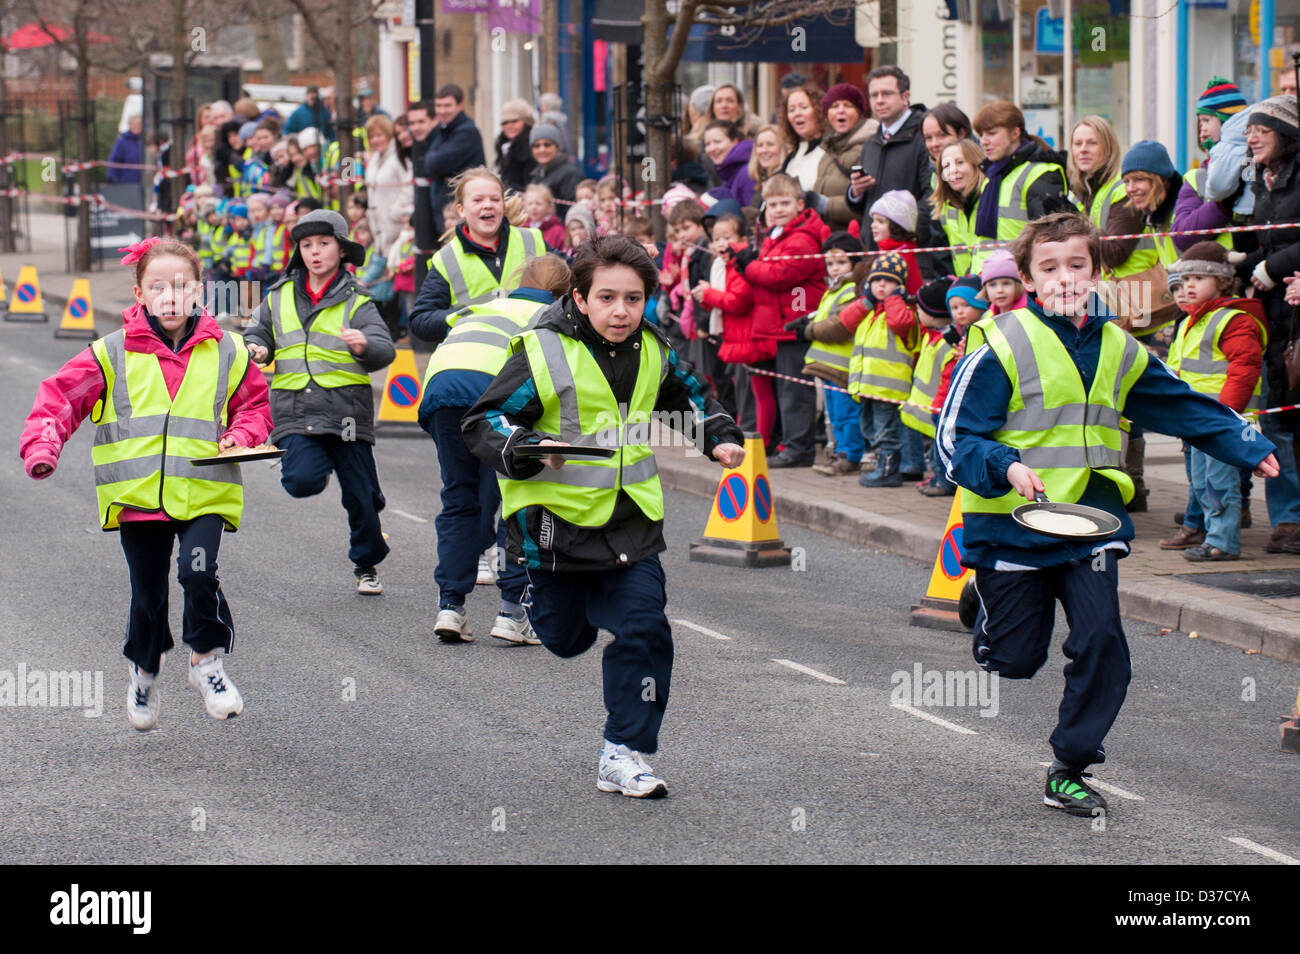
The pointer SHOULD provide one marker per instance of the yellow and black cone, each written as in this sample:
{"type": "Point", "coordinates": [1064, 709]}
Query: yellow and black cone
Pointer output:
{"type": "Point", "coordinates": [78, 315]}
{"type": "Point", "coordinates": [949, 600]}
{"type": "Point", "coordinates": [27, 303]}
{"type": "Point", "coordinates": [400, 401]}
{"type": "Point", "coordinates": [742, 526]}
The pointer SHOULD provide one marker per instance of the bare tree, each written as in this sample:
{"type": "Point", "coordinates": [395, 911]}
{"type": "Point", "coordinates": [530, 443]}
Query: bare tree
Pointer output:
{"type": "Point", "coordinates": [332, 23]}
{"type": "Point", "coordinates": [743, 18]}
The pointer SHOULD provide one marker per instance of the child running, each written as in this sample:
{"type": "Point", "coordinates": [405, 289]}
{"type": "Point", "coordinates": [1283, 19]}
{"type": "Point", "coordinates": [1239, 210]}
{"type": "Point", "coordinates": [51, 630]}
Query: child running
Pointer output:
{"type": "Point", "coordinates": [326, 336]}
{"type": "Point", "coordinates": [589, 532]}
{"type": "Point", "coordinates": [168, 387]}
{"type": "Point", "coordinates": [1035, 407]}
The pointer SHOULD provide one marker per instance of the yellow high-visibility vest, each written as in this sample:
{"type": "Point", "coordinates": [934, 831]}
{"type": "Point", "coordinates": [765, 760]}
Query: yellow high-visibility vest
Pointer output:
{"type": "Point", "coordinates": [316, 353]}
{"type": "Point", "coordinates": [470, 280]}
{"type": "Point", "coordinates": [578, 407]}
{"type": "Point", "coordinates": [836, 355]}
{"type": "Point", "coordinates": [145, 438]}
{"type": "Point", "coordinates": [925, 384]}
{"type": "Point", "coordinates": [480, 335]}
{"type": "Point", "coordinates": [1062, 433]}
{"type": "Point", "coordinates": [880, 366]}
{"type": "Point", "coordinates": [1199, 360]}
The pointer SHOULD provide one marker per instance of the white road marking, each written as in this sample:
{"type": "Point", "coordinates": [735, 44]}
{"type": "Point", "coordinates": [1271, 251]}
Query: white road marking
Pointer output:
{"type": "Point", "coordinates": [408, 516]}
{"type": "Point", "coordinates": [1106, 787]}
{"type": "Point", "coordinates": [951, 726]}
{"type": "Point", "coordinates": [810, 672]}
{"type": "Point", "coordinates": [700, 629]}
{"type": "Point", "coordinates": [1266, 852]}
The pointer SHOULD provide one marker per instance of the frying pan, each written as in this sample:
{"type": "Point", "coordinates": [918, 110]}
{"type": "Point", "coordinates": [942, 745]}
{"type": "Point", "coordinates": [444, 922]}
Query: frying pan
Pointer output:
{"type": "Point", "coordinates": [1107, 523]}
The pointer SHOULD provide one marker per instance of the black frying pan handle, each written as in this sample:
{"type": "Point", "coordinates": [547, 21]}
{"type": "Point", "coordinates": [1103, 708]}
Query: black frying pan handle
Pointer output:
{"type": "Point", "coordinates": [1040, 497]}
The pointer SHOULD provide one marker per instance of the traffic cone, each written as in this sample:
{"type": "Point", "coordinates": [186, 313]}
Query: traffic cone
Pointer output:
{"type": "Point", "coordinates": [400, 402]}
{"type": "Point", "coordinates": [78, 317]}
{"type": "Point", "coordinates": [742, 527]}
{"type": "Point", "coordinates": [27, 304]}
{"type": "Point", "coordinates": [951, 593]}
{"type": "Point", "coordinates": [3, 294]}
{"type": "Point", "coordinates": [1291, 729]}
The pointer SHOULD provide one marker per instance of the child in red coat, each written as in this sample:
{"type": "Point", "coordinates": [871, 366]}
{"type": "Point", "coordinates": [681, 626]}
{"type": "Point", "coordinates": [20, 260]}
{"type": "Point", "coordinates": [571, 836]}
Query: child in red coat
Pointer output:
{"type": "Point", "coordinates": [735, 300]}
{"type": "Point", "coordinates": [170, 362]}
{"type": "Point", "coordinates": [788, 276]}
{"type": "Point", "coordinates": [893, 229]}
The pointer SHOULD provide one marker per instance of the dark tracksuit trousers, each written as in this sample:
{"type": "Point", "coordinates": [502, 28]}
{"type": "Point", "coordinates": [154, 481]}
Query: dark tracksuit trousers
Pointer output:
{"type": "Point", "coordinates": [206, 621]}
{"type": "Point", "coordinates": [1013, 634]}
{"type": "Point", "coordinates": [567, 609]}
{"type": "Point", "coordinates": [467, 523]}
{"type": "Point", "coordinates": [305, 469]}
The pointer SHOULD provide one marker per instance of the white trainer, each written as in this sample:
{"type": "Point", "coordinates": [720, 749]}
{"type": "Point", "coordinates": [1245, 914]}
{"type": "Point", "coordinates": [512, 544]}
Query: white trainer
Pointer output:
{"type": "Point", "coordinates": [368, 582]}
{"type": "Point", "coordinates": [626, 771]}
{"type": "Point", "coordinates": [487, 568]}
{"type": "Point", "coordinates": [142, 698]}
{"type": "Point", "coordinates": [220, 697]}
{"type": "Point", "coordinates": [512, 630]}
{"type": "Point", "coordinates": [452, 626]}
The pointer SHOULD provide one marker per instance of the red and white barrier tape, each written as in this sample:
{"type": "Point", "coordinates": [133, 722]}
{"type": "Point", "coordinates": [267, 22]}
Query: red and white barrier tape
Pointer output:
{"type": "Point", "coordinates": [934, 410]}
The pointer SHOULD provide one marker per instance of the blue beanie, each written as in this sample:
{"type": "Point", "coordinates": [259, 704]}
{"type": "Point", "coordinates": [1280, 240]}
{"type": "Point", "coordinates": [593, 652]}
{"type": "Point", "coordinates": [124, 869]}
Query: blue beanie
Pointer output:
{"type": "Point", "coordinates": [239, 210]}
{"type": "Point", "coordinates": [1149, 156]}
{"type": "Point", "coordinates": [967, 288]}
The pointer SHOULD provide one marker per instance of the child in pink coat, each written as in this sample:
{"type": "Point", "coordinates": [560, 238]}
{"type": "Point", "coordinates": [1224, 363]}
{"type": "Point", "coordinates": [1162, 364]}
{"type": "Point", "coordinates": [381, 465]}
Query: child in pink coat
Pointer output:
{"type": "Point", "coordinates": [142, 386]}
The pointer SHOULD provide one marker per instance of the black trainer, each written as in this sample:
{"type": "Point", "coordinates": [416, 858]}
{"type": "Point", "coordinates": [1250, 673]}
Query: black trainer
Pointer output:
{"type": "Point", "coordinates": [1067, 789]}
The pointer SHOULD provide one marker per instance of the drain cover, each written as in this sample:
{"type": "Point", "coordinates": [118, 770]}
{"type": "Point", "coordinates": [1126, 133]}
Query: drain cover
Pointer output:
{"type": "Point", "coordinates": [1275, 583]}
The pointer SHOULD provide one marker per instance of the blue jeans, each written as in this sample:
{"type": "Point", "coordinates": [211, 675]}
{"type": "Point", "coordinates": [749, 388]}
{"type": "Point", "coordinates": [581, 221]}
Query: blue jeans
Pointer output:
{"type": "Point", "coordinates": [467, 523]}
{"type": "Point", "coordinates": [844, 412]}
{"type": "Point", "coordinates": [305, 469]}
{"type": "Point", "coordinates": [1013, 635]}
{"type": "Point", "coordinates": [913, 461]}
{"type": "Point", "coordinates": [567, 610]}
{"type": "Point", "coordinates": [881, 423]}
{"type": "Point", "coordinates": [1193, 516]}
{"type": "Point", "coordinates": [1281, 493]}
{"type": "Point", "coordinates": [1217, 487]}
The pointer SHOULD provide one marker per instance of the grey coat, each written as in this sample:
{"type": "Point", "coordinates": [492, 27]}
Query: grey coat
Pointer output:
{"type": "Point", "coordinates": [315, 411]}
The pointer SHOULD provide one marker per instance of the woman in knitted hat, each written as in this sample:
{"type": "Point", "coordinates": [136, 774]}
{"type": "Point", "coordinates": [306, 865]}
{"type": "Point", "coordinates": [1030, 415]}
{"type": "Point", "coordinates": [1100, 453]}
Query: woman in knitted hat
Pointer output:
{"type": "Point", "coordinates": [515, 162]}
{"type": "Point", "coordinates": [1152, 184]}
{"type": "Point", "coordinates": [1273, 137]}
{"type": "Point", "coordinates": [848, 126]}
{"type": "Point", "coordinates": [554, 169]}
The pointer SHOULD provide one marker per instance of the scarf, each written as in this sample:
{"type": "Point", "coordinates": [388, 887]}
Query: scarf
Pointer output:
{"type": "Point", "coordinates": [986, 219]}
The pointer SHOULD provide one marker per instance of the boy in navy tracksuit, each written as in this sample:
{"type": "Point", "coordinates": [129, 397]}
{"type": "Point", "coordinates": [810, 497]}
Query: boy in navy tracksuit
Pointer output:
{"type": "Point", "coordinates": [1020, 574]}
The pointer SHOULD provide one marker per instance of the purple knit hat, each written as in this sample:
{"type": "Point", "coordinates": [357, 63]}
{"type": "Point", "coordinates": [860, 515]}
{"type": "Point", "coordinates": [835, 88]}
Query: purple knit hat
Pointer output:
{"type": "Point", "coordinates": [899, 206]}
{"type": "Point", "coordinates": [999, 264]}
{"type": "Point", "coordinates": [847, 92]}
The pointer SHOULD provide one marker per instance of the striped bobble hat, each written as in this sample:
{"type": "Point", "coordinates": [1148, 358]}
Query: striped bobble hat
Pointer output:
{"type": "Point", "coordinates": [1221, 98]}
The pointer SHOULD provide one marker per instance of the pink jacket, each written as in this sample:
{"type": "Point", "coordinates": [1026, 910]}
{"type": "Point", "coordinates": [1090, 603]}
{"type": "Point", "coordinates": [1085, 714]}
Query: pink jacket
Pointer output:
{"type": "Point", "coordinates": [67, 397]}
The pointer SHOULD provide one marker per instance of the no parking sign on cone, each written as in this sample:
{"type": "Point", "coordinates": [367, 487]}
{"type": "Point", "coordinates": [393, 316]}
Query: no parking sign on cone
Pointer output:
{"type": "Point", "coordinates": [27, 304]}
{"type": "Point", "coordinates": [742, 526]}
{"type": "Point", "coordinates": [940, 606]}
{"type": "Point", "coordinates": [400, 402]}
{"type": "Point", "coordinates": [78, 317]}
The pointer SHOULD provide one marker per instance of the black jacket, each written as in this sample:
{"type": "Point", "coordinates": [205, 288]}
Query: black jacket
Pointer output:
{"type": "Point", "coordinates": [561, 177]}
{"type": "Point", "coordinates": [1279, 249]}
{"type": "Point", "coordinates": [492, 433]}
{"type": "Point", "coordinates": [451, 150]}
{"type": "Point", "coordinates": [516, 164]}
{"type": "Point", "coordinates": [902, 163]}
{"type": "Point", "coordinates": [316, 411]}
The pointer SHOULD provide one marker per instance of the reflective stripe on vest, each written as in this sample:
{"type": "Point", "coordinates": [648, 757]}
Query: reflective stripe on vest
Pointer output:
{"type": "Point", "coordinates": [145, 439]}
{"type": "Point", "coordinates": [315, 353]}
{"type": "Point", "coordinates": [1198, 359]}
{"type": "Point", "coordinates": [925, 385]}
{"type": "Point", "coordinates": [471, 281]}
{"type": "Point", "coordinates": [960, 229]}
{"type": "Point", "coordinates": [824, 352]}
{"type": "Point", "coordinates": [280, 250]}
{"type": "Point", "coordinates": [880, 367]}
{"type": "Point", "coordinates": [1013, 210]}
{"type": "Point", "coordinates": [578, 407]}
{"type": "Point", "coordinates": [1061, 432]}
{"type": "Point", "coordinates": [479, 339]}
